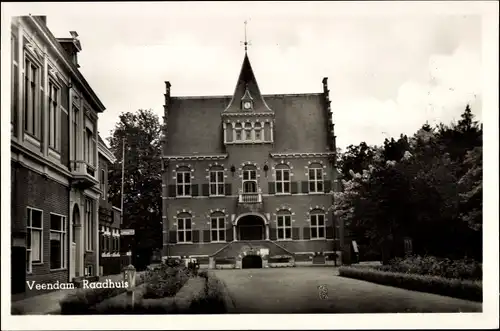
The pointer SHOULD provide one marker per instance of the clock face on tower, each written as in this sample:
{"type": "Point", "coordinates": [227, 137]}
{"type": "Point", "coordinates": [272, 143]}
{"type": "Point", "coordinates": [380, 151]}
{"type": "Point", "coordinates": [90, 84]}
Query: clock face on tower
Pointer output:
{"type": "Point", "coordinates": [247, 105]}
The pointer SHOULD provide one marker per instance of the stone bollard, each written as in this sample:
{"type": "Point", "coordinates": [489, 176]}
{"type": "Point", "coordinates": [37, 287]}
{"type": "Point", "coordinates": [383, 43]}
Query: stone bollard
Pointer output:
{"type": "Point", "coordinates": [211, 263]}
{"type": "Point", "coordinates": [129, 274]}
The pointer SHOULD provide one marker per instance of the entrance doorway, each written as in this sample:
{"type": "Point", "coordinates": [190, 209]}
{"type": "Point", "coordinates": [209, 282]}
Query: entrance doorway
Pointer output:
{"type": "Point", "coordinates": [251, 227]}
{"type": "Point", "coordinates": [251, 261]}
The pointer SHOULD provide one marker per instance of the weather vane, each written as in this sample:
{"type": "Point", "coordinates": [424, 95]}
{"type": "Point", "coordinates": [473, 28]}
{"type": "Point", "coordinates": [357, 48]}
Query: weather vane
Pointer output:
{"type": "Point", "coordinates": [246, 43]}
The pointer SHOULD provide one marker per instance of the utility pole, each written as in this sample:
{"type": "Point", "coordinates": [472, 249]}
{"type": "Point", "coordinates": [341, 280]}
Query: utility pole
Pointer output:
{"type": "Point", "coordinates": [123, 177]}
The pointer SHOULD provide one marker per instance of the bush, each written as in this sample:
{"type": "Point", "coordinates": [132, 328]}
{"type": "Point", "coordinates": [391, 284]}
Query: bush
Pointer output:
{"type": "Point", "coordinates": [430, 265]}
{"type": "Point", "coordinates": [463, 289]}
{"type": "Point", "coordinates": [166, 281]}
{"type": "Point", "coordinates": [147, 306]}
{"type": "Point", "coordinates": [84, 300]}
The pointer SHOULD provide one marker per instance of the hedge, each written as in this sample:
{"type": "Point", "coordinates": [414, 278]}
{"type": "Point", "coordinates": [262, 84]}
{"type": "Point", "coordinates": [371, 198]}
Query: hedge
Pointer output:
{"type": "Point", "coordinates": [457, 288]}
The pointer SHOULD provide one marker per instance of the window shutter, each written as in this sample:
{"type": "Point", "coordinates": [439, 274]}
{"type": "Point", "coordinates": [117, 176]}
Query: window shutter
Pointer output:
{"type": "Point", "coordinates": [171, 191]}
{"type": "Point", "coordinates": [273, 235]}
{"type": "Point", "coordinates": [227, 189]}
{"type": "Point", "coordinates": [205, 190]}
{"type": "Point", "coordinates": [196, 236]}
{"type": "Point", "coordinates": [306, 233]}
{"type": "Point", "coordinates": [194, 190]}
{"type": "Point", "coordinates": [305, 186]}
{"type": "Point", "coordinates": [172, 237]}
{"type": "Point", "coordinates": [206, 236]}
{"type": "Point", "coordinates": [329, 232]}
{"type": "Point", "coordinates": [272, 188]}
{"type": "Point", "coordinates": [327, 186]}
{"type": "Point", "coordinates": [294, 187]}
{"type": "Point", "coordinates": [229, 234]}
{"type": "Point", "coordinates": [295, 233]}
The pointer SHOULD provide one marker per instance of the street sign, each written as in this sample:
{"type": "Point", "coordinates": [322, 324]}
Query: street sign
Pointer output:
{"type": "Point", "coordinates": [128, 232]}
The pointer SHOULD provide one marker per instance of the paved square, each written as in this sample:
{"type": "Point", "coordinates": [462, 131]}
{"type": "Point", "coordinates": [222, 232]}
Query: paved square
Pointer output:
{"type": "Point", "coordinates": [321, 290]}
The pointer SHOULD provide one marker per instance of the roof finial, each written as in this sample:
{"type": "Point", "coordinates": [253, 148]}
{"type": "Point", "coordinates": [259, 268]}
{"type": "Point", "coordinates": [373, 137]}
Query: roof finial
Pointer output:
{"type": "Point", "coordinates": [246, 43]}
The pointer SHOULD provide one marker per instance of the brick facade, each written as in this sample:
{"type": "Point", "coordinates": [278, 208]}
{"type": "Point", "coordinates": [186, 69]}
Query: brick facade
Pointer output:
{"type": "Point", "coordinates": [294, 132]}
{"type": "Point", "coordinates": [53, 153]}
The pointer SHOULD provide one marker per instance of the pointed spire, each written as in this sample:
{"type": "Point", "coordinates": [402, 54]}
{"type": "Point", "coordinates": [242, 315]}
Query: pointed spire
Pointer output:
{"type": "Point", "coordinates": [247, 87]}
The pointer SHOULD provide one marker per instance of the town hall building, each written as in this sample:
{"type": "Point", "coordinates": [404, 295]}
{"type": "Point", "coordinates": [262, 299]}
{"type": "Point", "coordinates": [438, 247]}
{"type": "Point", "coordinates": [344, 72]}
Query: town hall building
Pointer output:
{"type": "Point", "coordinates": [248, 179]}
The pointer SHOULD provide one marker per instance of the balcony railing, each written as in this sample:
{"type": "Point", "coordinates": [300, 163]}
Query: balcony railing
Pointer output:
{"type": "Point", "coordinates": [250, 198]}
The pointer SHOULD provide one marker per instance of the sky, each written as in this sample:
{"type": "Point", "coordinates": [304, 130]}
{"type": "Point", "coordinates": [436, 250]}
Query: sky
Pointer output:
{"type": "Point", "coordinates": [391, 68]}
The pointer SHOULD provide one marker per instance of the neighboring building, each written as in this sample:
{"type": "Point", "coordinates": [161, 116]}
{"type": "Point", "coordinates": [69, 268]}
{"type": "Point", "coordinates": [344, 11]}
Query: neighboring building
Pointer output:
{"type": "Point", "coordinates": [55, 187]}
{"type": "Point", "coordinates": [249, 174]}
{"type": "Point", "coordinates": [109, 218]}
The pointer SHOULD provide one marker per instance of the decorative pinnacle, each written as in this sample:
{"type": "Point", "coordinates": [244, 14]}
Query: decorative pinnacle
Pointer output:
{"type": "Point", "coordinates": [246, 43]}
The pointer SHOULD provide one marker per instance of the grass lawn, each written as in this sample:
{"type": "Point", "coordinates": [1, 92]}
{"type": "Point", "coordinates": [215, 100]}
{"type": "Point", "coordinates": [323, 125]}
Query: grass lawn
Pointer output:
{"type": "Point", "coordinates": [295, 290]}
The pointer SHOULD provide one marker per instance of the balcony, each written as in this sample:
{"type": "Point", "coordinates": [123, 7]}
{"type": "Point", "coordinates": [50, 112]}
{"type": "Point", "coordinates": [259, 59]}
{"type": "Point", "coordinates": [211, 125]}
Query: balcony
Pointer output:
{"type": "Point", "coordinates": [250, 198]}
{"type": "Point", "coordinates": [83, 174]}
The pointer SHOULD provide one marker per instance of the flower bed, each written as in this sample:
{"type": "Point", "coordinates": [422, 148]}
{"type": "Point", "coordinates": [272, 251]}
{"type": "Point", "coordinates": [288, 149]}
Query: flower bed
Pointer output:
{"type": "Point", "coordinates": [166, 281]}
{"type": "Point", "coordinates": [458, 288]}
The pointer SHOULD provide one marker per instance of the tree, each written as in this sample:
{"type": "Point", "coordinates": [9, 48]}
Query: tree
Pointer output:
{"type": "Point", "coordinates": [142, 185]}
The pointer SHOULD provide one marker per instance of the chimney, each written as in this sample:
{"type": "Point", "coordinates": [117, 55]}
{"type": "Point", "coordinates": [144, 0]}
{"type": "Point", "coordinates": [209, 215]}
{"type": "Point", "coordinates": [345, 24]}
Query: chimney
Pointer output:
{"type": "Point", "coordinates": [72, 46]}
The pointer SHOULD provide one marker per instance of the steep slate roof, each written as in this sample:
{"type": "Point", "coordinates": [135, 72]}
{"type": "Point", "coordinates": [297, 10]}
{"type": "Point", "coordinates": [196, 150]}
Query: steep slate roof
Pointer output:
{"type": "Point", "coordinates": [247, 84]}
{"type": "Point", "coordinates": [195, 124]}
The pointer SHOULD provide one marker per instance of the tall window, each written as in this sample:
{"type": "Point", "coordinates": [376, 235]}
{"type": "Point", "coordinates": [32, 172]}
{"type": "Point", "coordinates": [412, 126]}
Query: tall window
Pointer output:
{"type": "Point", "coordinates": [184, 228]}
{"type": "Point", "coordinates": [89, 146]}
{"type": "Point", "coordinates": [284, 225]}
{"type": "Point", "coordinates": [217, 181]}
{"type": "Point", "coordinates": [102, 180]}
{"type": "Point", "coordinates": [317, 219]}
{"type": "Point", "coordinates": [31, 101]}
{"type": "Point", "coordinates": [76, 114]}
{"type": "Point", "coordinates": [238, 131]}
{"type": "Point", "coordinates": [217, 227]}
{"type": "Point", "coordinates": [102, 239]}
{"type": "Point", "coordinates": [248, 131]}
{"type": "Point", "coordinates": [14, 82]}
{"type": "Point", "coordinates": [89, 225]}
{"type": "Point", "coordinates": [33, 237]}
{"type": "Point", "coordinates": [184, 182]}
{"type": "Point", "coordinates": [57, 241]}
{"type": "Point", "coordinates": [282, 179]}
{"type": "Point", "coordinates": [249, 179]}
{"type": "Point", "coordinates": [258, 132]}
{"type": "Point", "coordinates": [53, 118]}
{"type": "Point", "coordinates": [315, 178]}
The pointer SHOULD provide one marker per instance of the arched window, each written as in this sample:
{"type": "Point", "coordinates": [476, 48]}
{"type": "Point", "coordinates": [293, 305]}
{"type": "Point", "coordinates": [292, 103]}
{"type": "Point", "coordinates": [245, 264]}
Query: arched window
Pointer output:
{"type": "Point", "coordinates": [216, 181]}
{"type": "Point", "coordinates": [249, 179]}
{"type": "Point", "coordinates": [183, 182]}
{"type": "Point", "coordinates": [258, 132]}
{"type": "Point", "coordinates": [238, 132]}
{"type": "Point", "coordinates": [217, 227]}
{"type": "Point", "coordinates": [184, 228]}
{"type": "Point", "coordinates": [315, 178]}
{"type": "Point", "coordinates": [248, 131]}
{"type": "Point", "coordinates": [282, 179]}
{"type": "Point", "coordinates": [284, 225]}
{"type": "Point", "coordinates": [317, 218]}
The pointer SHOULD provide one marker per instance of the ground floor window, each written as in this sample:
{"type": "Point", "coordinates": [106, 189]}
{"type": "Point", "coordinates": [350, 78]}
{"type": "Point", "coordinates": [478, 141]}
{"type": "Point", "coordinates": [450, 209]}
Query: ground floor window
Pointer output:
{"type": "Point", "coordinates": [284, 225]}
{"type": "Point", "coordinates": [57, 241]}
{"type": "Point", "coordinates": [317, 224]}
{"type": "Point", "coordinates": [34, 230]}
{"type": "Point", "coordinates": [184, 228]}
{"type": "Point", "coordinates": [218, 227]}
